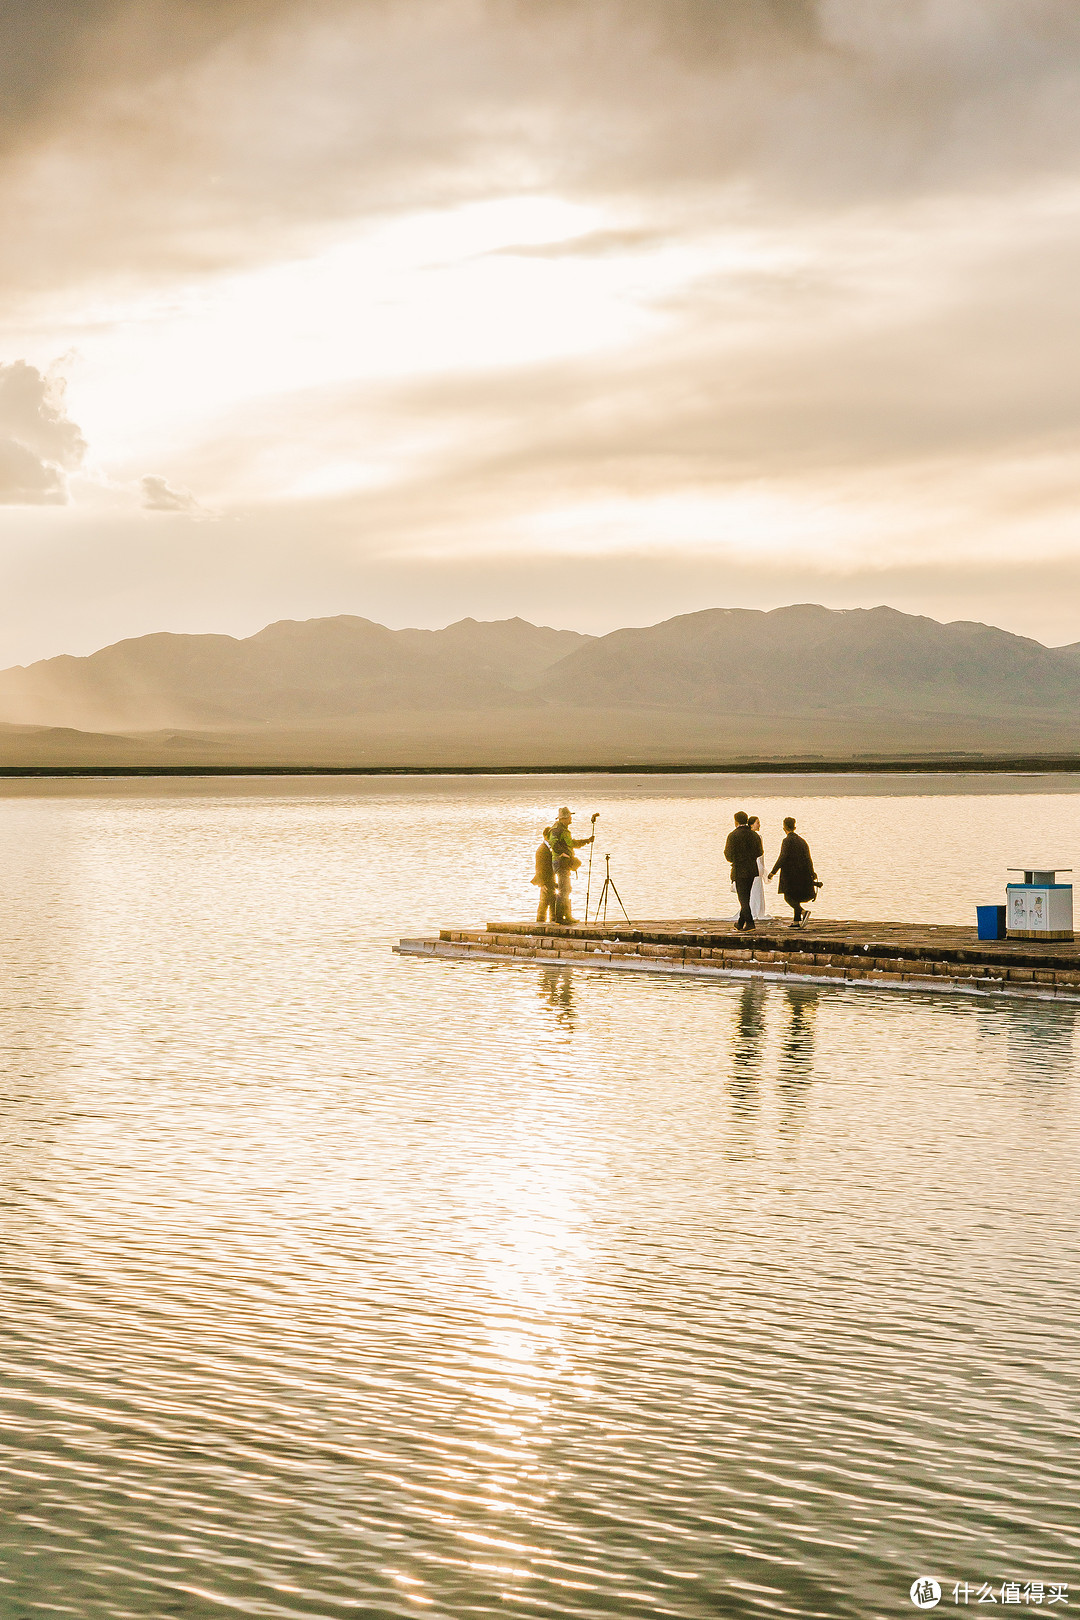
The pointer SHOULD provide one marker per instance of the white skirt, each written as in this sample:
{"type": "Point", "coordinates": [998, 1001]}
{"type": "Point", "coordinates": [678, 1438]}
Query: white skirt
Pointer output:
{"type": "Point", "coordinates": [757, 902]}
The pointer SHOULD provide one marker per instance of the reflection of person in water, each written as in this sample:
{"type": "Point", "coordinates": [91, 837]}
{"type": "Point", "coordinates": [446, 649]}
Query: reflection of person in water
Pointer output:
{"type": "Point", "coordinates": [796, 1069]}
{"type": "Point", "coordinates": [743, 1086]}
{"type": "Point", "coordinates": [557, 989]}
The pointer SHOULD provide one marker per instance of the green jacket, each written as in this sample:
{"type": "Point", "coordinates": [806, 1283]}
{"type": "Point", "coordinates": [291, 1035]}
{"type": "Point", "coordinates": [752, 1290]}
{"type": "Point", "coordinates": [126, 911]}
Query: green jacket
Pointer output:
{"type": "Point", "coordinates": [561, 841]}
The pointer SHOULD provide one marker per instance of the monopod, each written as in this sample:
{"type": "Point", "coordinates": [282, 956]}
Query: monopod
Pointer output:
{"type": "Point", "coordinates": [592, 846]}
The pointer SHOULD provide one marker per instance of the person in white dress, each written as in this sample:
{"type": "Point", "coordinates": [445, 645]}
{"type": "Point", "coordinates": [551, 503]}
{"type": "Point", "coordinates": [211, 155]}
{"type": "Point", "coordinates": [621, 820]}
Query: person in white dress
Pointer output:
{"type": "Point", "coordinates": [758, 909]}
{"type": "Point", "coordinates": [757, 893]}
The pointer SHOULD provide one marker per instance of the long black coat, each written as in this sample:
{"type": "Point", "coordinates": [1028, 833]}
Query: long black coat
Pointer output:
{"type": "Point", "coordinates": [742, 849]}
{"type": "Point", "coordinates": [545, 867]}
{"type": "Point", "coordinates": [796, 869]}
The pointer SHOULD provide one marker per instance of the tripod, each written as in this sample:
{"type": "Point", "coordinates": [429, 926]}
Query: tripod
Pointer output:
{"type": "Point", "coordinates": [609, 883]}
{"type": "Point", "coordinates": [592, 846]}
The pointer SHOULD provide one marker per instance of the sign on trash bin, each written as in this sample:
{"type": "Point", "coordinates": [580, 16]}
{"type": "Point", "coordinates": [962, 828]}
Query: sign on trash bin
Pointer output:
{"type": "Point", "coordinates": [1040, 907]}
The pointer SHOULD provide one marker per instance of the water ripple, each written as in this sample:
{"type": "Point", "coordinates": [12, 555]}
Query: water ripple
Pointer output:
{"type": "Point", "coordinates": [337, 1284]}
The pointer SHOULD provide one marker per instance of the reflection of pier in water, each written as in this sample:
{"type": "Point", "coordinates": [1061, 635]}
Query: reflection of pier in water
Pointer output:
{"type": "Point", "coordinates": [900, 956]}
{"type": "Point", "coordinates": [1032, 1039]}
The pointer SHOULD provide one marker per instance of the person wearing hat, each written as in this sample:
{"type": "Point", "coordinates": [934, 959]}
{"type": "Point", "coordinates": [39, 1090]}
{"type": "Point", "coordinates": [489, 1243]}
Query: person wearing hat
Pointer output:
{"type": "Point", "coordinates": [562, 854]}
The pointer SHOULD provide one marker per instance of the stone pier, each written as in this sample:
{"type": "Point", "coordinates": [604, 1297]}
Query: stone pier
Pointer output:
{"type": "Point", "coordinates": [894, 956]}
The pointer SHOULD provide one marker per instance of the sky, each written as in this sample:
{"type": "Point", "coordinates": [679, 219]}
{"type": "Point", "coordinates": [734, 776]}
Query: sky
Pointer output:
{"type": "Point", "coordinates": [592, 311]}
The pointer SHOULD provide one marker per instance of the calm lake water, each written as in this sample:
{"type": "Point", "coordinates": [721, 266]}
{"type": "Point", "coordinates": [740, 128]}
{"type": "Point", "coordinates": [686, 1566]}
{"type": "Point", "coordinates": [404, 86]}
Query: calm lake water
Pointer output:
{"type": "Point", "coordinates": [342, 1284]}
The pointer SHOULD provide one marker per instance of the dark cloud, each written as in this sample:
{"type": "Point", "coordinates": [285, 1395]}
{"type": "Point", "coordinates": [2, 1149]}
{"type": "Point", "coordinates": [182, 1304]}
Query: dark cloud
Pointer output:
{"type": "Point", "coordinates": [51, 50]}
{"type": "Point", "coordinates": [194, 133]}
{"type": "Point", "coordinates": [158, 496]}
{"type": "Point", "coordinates": [43, 46]}
{"type": "Point", "coordinates": [816, 104]}
{"type": "Point", "coordinates": [701, 30]}
{"type": "Point", "coordinates": [38, 441]}
{"type": "Point", "coordinates": [49, 47]}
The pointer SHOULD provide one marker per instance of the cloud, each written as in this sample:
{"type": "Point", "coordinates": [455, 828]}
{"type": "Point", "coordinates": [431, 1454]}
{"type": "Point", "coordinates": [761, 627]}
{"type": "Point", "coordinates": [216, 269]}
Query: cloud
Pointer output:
{"type": "Point", "coordinates": [158, 496]}
{"type": "Point", "coordinates": [196, 136]}
{"type": "Point", "coordinates": [26, 480]}
{"type": "Point", "coordinates": [909, 170]}
{"type": "Point", "coordinates": [52, 51]}
{"type": "Point", "coordinates": [38, 441]}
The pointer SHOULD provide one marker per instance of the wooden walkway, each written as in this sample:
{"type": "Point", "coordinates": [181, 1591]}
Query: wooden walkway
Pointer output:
{"type": "Point", "coordinates": [911, 956]}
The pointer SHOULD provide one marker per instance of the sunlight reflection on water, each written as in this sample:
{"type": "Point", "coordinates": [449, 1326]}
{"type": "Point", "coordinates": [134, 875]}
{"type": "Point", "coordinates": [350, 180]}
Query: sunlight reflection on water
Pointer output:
{"type": "Point", "coordinates": [338, 1283]}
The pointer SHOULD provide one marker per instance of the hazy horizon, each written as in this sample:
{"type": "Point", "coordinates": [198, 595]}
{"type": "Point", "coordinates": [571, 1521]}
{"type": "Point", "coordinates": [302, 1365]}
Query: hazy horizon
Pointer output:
{"type": "Point", "coordinates": [591, 314]}
{"type": "Point", "coordinates": [471, 618]}
{"type": "Point", "coordinates": [708, 687]}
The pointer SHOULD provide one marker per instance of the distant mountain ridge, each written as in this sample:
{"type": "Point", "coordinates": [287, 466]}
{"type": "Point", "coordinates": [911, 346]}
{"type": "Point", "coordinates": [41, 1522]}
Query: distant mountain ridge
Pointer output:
{"type": "Point", "coordinates": [849, 664]}
{"type": "Point", "coordinates": [809, 659]}
{"type": "Point", "coordinates": [292, 672]}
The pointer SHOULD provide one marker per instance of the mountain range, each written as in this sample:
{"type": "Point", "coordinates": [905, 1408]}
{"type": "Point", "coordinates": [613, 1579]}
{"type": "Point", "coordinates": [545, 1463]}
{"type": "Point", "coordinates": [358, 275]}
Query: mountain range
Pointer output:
{"type": "Point", "coordinates": [793, 679]}
{"type": "Point", "coordinates": [291, 672]}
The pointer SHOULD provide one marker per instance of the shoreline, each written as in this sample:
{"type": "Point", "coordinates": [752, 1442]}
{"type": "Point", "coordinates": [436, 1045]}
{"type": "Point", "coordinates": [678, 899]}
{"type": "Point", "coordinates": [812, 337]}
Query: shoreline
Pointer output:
{"type": "Point", "coordinates": [923, 765]}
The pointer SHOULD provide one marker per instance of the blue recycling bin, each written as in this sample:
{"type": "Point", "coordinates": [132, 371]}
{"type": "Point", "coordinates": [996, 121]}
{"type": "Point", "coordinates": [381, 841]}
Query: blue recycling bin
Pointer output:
{"type": "Point", "coordinates": [993, 921]}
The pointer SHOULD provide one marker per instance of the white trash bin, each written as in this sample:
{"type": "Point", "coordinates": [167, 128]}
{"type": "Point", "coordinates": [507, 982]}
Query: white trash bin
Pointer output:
{"type": "Point", "coordinates": [1040, 907]}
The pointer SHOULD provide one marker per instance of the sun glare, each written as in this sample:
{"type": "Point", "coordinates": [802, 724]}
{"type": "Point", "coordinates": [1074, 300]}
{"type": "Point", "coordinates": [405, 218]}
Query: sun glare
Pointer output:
{"type": "Point", "coordinates": [450, 293]}
{"type": "Point", "coordinates": [422, 295]}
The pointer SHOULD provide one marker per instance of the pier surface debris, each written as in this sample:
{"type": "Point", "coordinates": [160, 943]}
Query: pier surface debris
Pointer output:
{"type": "Point", "coordinates": [903, 956]}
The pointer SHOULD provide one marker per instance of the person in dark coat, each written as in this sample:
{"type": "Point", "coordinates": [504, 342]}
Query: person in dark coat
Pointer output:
{"type": "Point", "coordinates": [742, 849]}
{"type": "Point", "coordinates": [545, 879]}
{"type": "Point", "coordinates": [798, 880]}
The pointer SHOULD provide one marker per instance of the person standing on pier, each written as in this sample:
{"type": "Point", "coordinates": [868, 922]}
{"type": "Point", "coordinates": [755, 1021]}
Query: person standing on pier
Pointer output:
{"type": "Point", "coordinates": [545, 879]}
{"type": "Point", "coordinates": [564, 869]}
{"type": "Point", "coordinates": [562, 850]}
{"type": "Point", "coordinates": [742, 849]}
{"type": "Point", "coordinates": [757, 893]}
{"type": "Point", "coordinates": [798, 880]}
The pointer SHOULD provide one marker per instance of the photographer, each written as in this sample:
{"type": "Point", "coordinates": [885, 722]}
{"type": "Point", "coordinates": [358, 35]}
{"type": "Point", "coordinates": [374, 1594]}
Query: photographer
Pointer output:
{"type": "Point", "coordinates": [562, 850]}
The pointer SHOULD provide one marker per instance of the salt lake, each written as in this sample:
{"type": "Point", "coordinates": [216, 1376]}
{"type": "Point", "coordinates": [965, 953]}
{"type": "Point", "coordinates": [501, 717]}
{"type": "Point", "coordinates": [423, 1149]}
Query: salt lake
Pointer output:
{"type": "Point", "coordinates": [337, 1283]}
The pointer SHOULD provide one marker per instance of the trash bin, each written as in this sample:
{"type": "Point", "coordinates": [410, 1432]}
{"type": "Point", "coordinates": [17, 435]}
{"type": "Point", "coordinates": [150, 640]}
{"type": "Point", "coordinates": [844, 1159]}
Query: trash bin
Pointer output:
{"type": "Point", "coordinates": [993, 921]}
{"type": "Point", "coordinates": [1040, 907]}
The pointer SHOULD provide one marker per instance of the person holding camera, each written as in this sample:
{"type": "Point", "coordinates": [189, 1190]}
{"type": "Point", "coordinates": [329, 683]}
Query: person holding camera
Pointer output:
{"type": "Point", "coordinates": [566, 862]}
{"type": "Point", "coordinates": [799, 882]}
